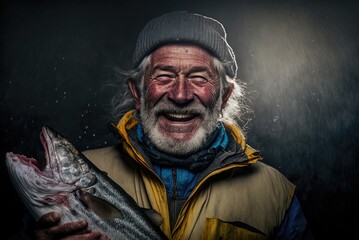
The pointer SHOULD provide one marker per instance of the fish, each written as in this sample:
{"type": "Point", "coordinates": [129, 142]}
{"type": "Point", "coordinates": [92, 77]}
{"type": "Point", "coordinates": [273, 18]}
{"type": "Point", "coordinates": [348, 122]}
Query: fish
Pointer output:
{"type": "Point", "coordinates": [71, 184]}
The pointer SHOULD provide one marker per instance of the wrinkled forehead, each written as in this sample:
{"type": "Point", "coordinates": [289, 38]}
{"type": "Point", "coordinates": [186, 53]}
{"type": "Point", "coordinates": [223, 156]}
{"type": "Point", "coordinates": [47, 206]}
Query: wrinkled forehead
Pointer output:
{"type": "Point", "coordinates": [183, 54]}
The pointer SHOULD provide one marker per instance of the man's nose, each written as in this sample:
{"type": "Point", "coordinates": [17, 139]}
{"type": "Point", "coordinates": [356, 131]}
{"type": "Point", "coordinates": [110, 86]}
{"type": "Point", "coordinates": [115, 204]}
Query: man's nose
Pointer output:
{"type": "Point", "coordinates": [181, 91]}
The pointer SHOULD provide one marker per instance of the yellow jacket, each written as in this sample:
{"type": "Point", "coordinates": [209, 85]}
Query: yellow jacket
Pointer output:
{"type": "Point", "coordinates": [243, 199]}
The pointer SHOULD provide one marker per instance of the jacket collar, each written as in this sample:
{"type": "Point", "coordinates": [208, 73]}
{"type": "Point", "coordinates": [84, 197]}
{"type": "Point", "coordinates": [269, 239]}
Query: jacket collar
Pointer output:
{"type": "Point", "coordinates": [238, 152]}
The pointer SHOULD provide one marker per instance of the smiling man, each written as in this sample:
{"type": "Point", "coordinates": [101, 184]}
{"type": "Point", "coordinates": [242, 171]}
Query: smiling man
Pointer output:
{"type": "Point", "coordinates": [182, 98]}
{"type": "Point", "coordinates": [181, 150]}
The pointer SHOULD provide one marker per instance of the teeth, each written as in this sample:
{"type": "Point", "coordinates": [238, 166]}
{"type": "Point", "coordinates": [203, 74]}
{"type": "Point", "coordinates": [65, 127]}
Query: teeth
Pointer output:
{"type": "Point", "coordinates": [179, 116]}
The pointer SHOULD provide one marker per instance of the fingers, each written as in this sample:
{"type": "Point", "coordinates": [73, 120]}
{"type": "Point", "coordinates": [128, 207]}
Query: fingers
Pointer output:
{"type": "Point", "coordinates": [104, 237]}
{"type": "Point", "coordinates": [48, 219]}
{"type": "Point", "coordinates": [68, 228]}
{"type": "Point", "coordinates": [48, 227]}
{"type": "Point", "coordinates": [94, 235]}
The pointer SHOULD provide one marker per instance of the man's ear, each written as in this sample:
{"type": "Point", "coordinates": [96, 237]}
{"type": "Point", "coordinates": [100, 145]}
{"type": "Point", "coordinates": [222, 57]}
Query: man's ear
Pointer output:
{"type": "Point", "coordinates": [227, 95]}
{"type": "Point", "coordinates": [135, 93]}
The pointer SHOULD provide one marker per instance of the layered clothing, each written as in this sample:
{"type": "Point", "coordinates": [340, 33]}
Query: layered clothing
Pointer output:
{"type": "Point", "coordinates": [234, 196]}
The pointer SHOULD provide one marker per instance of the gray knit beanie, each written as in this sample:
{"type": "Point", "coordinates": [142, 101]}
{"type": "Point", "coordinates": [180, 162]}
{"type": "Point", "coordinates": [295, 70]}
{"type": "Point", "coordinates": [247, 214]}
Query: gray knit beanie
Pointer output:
{"type": "Point", "coordinates": [184, 27]}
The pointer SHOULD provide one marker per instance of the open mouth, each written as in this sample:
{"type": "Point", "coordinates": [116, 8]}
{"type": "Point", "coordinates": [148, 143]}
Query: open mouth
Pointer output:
{"type": "Point", "coordinates": [180, 117]}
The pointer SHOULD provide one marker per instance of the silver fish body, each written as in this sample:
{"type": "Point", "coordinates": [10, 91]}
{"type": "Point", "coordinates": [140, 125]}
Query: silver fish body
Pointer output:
{"type": "Point", "coordinates": [75, 187]}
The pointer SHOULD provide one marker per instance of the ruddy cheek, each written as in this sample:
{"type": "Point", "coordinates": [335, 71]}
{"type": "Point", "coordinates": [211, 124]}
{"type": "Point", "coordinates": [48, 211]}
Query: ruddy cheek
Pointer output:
{"type": "Point", "coordinates": [207, 94]}
{"type": "Point", "coordinates": [155, 92]}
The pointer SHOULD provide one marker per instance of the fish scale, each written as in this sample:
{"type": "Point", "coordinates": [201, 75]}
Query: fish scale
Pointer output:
{"type": "Point", "coordinates": [72, 185]}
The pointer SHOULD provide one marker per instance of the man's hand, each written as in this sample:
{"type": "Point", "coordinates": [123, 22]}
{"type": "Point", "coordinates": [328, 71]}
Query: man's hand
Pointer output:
{"type": "Point", "coordinates": [48, 227]}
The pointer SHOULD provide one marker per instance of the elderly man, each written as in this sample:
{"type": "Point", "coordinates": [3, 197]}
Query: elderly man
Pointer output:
{"type": "Point", "coordinates": [181, 151]}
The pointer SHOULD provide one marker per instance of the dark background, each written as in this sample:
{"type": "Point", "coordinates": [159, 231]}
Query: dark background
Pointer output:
{"type": "Point", "coordinates": [298, 59]}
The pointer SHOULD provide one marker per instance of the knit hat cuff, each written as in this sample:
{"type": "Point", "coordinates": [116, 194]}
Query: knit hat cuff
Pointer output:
{"type": "Point", "coordinates": [184, 27]}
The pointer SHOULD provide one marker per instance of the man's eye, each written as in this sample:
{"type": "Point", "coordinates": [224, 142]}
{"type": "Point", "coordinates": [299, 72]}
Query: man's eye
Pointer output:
{"type": "Point", "coordinates": [165, 77]}
{"type": "Point", "coordinates": [198, 78]}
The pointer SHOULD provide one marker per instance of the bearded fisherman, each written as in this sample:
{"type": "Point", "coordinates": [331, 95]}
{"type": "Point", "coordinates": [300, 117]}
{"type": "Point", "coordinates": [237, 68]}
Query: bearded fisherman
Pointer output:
{"type": "Point", "coordinates": [181, 150]}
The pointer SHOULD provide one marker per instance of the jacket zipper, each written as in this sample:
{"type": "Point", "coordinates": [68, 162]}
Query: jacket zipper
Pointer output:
{"type": "Point", "coordinates": [195, 189]}
{"type": "Point", "coordinates": [172, 200]}
{"type": "Point", "coordinates": [174, 184]}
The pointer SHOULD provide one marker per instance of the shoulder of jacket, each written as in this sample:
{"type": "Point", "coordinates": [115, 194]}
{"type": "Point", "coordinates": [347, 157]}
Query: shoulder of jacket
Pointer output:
{"type": "Point", "coordinates": [260, 177]}
{"type": "Point", "coordinates": [101, 152]}
{"type": "Point", "coordinates": [115, 163]}
{"type": "Point", "coordinates": [105, 158]}
{"type": "Point", "coordinates": [270, 179]}
{"type": "Point", "coordinates": [270, 172]}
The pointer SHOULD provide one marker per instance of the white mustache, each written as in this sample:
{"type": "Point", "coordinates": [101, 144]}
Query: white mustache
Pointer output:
{"type": "Point", "coordinates": [170, 109]}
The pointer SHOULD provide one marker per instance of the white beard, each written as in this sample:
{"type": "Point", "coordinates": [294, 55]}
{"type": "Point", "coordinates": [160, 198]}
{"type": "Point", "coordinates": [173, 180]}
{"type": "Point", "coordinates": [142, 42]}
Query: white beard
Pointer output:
{"type": "Point", "coordinates": [179, 148]}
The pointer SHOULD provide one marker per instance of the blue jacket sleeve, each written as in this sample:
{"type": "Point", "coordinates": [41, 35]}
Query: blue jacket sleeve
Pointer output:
{"type": "Point", "coordinates": [294, 224]}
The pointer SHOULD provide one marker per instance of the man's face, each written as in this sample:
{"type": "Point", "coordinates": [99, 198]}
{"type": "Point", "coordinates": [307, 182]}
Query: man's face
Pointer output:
{"type": "Point", "coordinates": [180, 101]}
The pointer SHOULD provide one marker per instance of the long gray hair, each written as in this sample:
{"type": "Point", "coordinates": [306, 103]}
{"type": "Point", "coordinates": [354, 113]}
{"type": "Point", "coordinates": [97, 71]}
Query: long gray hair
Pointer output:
{"type": "Point", "coordinates": [235, 112]}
